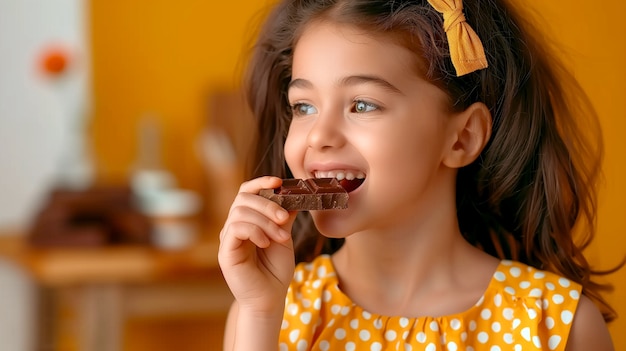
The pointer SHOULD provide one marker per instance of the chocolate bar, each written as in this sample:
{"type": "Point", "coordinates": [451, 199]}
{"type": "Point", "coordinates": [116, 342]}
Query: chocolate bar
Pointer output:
{"type": "Point", "coordinates": [308, 194]}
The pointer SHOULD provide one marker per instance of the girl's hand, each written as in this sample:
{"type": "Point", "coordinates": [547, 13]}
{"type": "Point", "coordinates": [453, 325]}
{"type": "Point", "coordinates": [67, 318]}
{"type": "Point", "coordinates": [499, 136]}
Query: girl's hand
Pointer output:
{"type": "Point", "coordinates": [256, 250]}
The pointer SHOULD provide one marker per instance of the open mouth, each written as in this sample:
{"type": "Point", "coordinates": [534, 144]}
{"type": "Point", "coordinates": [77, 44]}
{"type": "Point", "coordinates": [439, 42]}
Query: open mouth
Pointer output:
{"type": "Point", "coordinates": [349, 180]}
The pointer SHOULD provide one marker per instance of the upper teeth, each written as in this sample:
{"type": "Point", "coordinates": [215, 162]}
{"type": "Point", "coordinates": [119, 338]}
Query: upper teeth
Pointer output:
{"type": "Point", "coordinates": [340, 175]}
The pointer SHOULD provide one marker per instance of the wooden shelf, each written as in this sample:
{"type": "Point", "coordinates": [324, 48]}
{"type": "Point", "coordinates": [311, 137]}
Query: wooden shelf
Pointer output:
{"type": "Point", "coordinates": [113, 264]}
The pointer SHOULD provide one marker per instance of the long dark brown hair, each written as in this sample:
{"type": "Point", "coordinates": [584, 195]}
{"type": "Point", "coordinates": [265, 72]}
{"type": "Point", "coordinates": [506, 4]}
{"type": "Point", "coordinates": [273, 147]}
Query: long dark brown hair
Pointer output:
{"type": "Point", "coordinates": [531, 195]}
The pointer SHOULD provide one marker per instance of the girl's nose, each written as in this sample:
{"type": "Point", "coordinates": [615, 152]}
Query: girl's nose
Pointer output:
{"type": "Point", "coordinates": [326, 132]}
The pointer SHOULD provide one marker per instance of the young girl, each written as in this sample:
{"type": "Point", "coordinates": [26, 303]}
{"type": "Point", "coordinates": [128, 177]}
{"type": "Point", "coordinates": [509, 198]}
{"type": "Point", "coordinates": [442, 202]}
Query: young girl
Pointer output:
{"type": "Point", "coordinates": [451, 128]}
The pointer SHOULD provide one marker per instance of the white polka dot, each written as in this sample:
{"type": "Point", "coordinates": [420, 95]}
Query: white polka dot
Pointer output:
{"type": "Point", "coordinates": [516, 323]}
{"type": "Point", "coordinates": [405, 335]}
{"type": "Point", "coordinates": [316, 284]}
{"type": "Point", "coordinates": [335, 309]}
{"type": "Point", "coordinates": [292, 309]}
{"type": "Point", "coordinates": [518, 347]}
{"type": "Point", "coordinates": [321, 272]}
{"type": "Point", "coordinates": [550, 322]}
{"type": "Point", "coordinates": [574, 294]}
{"type": "Point", "coordinates": [293, 335]}
{"type": "Point", "coordinates": [567, 317]}
{"type": "Point", "coordinates": [376, 346]}
{"type": "Point", "coordinates": [378, 323]}
{"type": "Point", "coordinates": [305, 317]}
{"type": "Point", "coordinates": [391, 335]}
{"type": "Point", "coordinates": [558, 299]}
{"type": "Point", "coordinates": [564, 282]}
{"type": "Point", "coordinates": [539, 275]}
{"type": "Point", "coordinates": [508, 338]}
{"type": "Point", "coordinates": [434, 326]}
{"type": "Point", "coordinates": [499, 276]}
{"type": "Point", "coordinates": [284, 325]}
{"type": "Point", "coordinates": [331, 323]}
{"type": "Point", "coordinates": [350, 346]}
{"type": "Point", "coordinates": [550, 286]}
{"type": "Point", "coordinates": [364, 335]}
{"type": "Point", "coordinates": [497, 300]}
{"type": "Point", "coordinates": [404, 322]}
{"type": "Point", "coordinates": [302, 345]}
{"type": "Point", "coordinates": [509, 290]}
{"type": "Point", "coordinates": [526, 333]}
{"type": "Point", "coordinates": [345, 310]}
{"type": "Point", "coordinates": [324, 345]}
{"type": "Point", "coordinates": [507, 313]}
{"type": "Point", "coordinates": [483, 337]}
{"type": "Point", "coordinates": [455, 324]}
{"type": "Point", "coordinates": [495, 348]}
{"type": "Point", "coordinates": [496, 327]}
{"type": "Point", "coordinates": [524, 285]}
{"type": "Point", "coordinates": [340, 333]}
{"type": "Point", "coordinates": [421, 337]}
{"type": "Point", "coordinates": [532, 314]}
{"type": "Point", "coordinates": [472, 325]}
{"type": "Point", "coordinates": [430, 347]}
{"type": "Point", "coordinates": [298, 276]}
{"type": "Point", "coordinates": [485, 314]}
{"type": "Point", "coordinates": [537, 341]}
{"type": "Point", "coordinates": [408, 347]}
{"type": "Point", "coordinates": [463, 336]}
{"type": "Point", "coordinates": [366, 315]}
{"type": "Point", "coordinates": [327, 296]}
{"type": "Point", "coordinates": [283, 347]}
{"type": "Point", "coordinates": [354, 324]}
{"type": "Point", "coordinates": [452, 346]}
{"type": "Point", "coordinates": [469, 348]}
{"type": "Point", "coordinates": [554, 341]}
{"type": "Point", "coordinates": [480, 301]}
{"type": "Point", "coordinates": [534, 292]}
{"type": "Point", "coordinates": [317, 304]}
{"type": "Point", "coordinates": [545, 303]}
{"type": "Point", "coordinates": [515, 271]}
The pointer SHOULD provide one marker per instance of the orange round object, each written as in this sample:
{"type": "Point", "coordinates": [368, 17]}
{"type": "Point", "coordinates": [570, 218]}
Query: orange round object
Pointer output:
{"type": "Point", "coordinates": [54, 62]}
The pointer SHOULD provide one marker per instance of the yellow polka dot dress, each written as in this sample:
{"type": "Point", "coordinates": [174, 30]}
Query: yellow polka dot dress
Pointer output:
{"type": "Point", "coordinates": [522, 309]}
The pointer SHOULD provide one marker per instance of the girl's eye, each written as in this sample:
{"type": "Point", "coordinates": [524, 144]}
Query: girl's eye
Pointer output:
{"type": "Point", "coordinates": [302, 109]}
{"type": "Point", "coordinates": [362, 107]}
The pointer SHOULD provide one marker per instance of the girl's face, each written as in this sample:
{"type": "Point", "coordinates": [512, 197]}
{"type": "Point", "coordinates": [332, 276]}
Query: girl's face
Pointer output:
{"type": "Point", "coordinates": [361, 111]}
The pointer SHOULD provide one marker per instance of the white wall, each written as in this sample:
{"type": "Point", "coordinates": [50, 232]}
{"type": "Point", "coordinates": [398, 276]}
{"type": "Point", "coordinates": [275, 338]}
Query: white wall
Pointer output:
{"type": "Point", "coordinates": [39, 115]}
{"type": "Point", "coordinates": [41, 121]}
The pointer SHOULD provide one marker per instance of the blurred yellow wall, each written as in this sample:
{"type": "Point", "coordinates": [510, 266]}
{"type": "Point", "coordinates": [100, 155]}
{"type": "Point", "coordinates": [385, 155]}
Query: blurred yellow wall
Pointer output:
{"type": "Point", "coordinates": [594, 44]}
{"type": "Point", "coordinates": [165, 58]}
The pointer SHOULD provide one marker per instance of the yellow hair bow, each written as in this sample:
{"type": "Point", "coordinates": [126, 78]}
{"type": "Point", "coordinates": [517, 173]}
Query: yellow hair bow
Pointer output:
{"type": "Point", "coordinates": [466, 49]}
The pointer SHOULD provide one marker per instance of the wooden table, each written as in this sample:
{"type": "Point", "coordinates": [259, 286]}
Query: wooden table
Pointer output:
{"type": "Point", "coordinates": [109, 284]}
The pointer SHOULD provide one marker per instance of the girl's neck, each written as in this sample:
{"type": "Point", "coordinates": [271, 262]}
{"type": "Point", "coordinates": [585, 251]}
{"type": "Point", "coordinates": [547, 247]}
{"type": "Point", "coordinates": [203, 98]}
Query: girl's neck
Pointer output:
{"type": "Point", "coordinates": [413, 274]}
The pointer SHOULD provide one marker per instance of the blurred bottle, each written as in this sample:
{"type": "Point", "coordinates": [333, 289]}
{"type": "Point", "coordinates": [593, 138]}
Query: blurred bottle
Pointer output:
{"type": "Point", "coordinates": [173, 211]}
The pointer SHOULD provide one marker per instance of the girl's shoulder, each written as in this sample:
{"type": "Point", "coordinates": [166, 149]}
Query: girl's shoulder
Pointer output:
{"type": "Point", "coordinates": [518, 281]}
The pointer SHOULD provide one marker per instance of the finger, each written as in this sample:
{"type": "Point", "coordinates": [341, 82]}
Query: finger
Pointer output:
{"type": "Point", "coordinates": [247, 214]}
{"type": "Point", "coordinates": [268, 208]}
{"type": "Point", "coordinates": [244, 231]}
{"type": "Point", "coordinates": [255, 185]}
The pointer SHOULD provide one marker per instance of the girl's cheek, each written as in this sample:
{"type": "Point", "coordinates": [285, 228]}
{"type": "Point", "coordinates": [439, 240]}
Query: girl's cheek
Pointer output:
{"type": "Point", "coordinates": [293, 153]}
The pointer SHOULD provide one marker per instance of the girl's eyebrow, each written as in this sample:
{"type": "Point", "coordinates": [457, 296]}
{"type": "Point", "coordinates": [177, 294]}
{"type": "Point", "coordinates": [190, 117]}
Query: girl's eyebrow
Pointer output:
{"type": "Point", "coordinates": [347, 81]}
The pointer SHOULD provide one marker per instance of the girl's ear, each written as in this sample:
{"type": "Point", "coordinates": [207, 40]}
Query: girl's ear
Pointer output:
{"type": "Point", "coordinates": [470, 132]}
